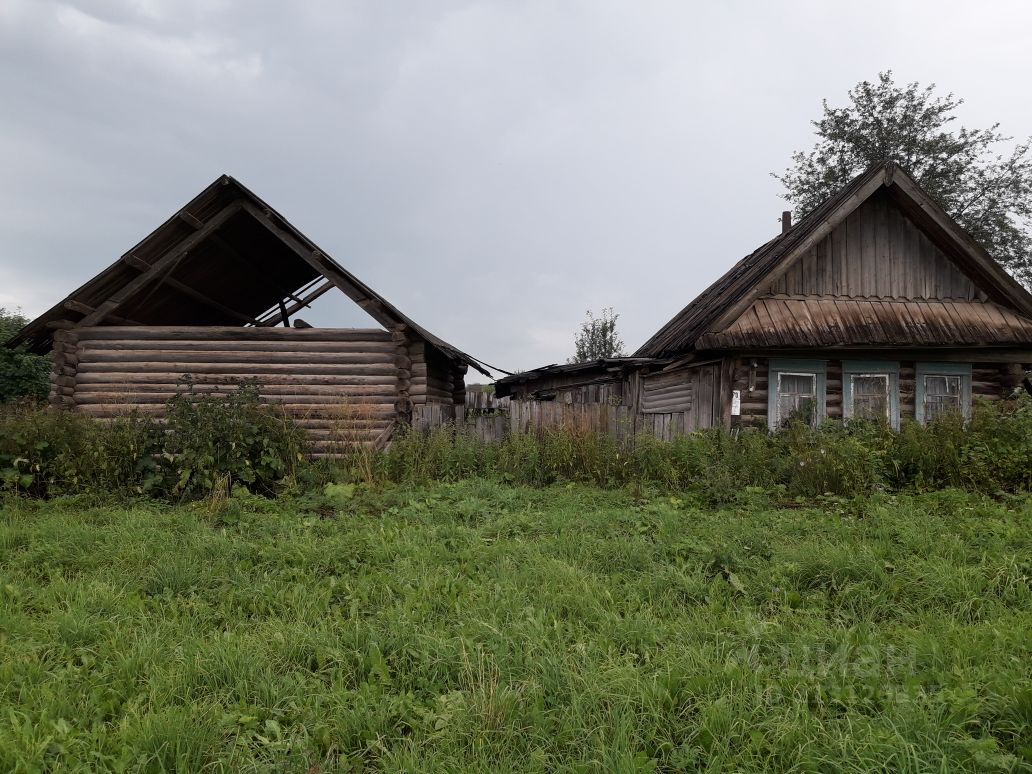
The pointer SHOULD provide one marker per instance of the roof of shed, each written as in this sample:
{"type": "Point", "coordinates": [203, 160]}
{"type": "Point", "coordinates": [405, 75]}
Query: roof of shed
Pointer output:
{"type": "Point", "coordinates": [226, 258]}
{"type": "Point", "coordinates": [613, 365]}
{"type": "Point", "coordinates": [714, 319]}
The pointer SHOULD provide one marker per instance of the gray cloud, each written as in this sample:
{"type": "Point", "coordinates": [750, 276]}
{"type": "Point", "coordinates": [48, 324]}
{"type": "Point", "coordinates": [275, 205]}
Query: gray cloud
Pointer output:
{"type": "Point", "coordinates": [493, 168]}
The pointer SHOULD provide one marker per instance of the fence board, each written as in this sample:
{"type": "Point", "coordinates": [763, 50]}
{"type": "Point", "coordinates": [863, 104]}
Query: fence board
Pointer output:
{"type": "Point", "coordinates": [531, 416]}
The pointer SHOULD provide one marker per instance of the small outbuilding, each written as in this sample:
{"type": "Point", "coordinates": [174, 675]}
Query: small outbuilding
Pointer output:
{"type": "Point", "coordinates": [209, 297]}
{"type": "Point", "coordinates": [876, 304]}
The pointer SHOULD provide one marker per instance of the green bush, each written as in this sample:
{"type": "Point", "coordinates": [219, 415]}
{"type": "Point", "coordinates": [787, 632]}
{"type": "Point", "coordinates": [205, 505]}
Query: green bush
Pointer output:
{"type": "Point", "coordinates": [205, 443]}
{"type": "Point", "coordinates": [45, 453]}
{"type": "Point", "coordinates": [217, 441]}
{"type": "Point", "coordinates": [22, 374]}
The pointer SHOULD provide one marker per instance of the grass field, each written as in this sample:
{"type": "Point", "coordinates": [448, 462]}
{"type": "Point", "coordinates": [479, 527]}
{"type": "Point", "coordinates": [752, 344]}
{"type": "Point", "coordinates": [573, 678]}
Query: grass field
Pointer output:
{"type": "Point", "coordinates": [477, 626]}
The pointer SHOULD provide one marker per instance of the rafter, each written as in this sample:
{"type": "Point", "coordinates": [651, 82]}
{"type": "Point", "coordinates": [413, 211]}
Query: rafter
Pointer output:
{"type": "Point", "coordinates": [186, 290]}
{"type": "Point", "coordinates": [160, 267]}
{"type": "Point", "coordinates": [233, 253]}
{"type": "Point", "coordinates": [306, 300]}
{"type": "Point", "coordinates": [317, 261]}
{"type": "Point", "coordinates": [85, 309]}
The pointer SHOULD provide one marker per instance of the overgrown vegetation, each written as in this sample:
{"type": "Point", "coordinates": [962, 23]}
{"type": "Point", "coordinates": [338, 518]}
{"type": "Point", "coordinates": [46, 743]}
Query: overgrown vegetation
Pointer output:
{"type": "Point", "coordinates": [22, 374]}
{"type": "Point", "coordinates": [207, 443]}
{"type": "Point", "coordinates": [477, 626]}
{"type": "Point", "coordinates": [829, 600]}
{"type": "Point", "coordinates": [991, 454]}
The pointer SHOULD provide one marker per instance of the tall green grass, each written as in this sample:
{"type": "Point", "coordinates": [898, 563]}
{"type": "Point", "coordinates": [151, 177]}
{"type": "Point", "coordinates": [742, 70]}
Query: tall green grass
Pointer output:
{"type": "Point", "coordinates": [992, 453]}
{"type": "Point", "coordinates": [476, 625]}
{"type": "Point", "coordinates": [209, 443]}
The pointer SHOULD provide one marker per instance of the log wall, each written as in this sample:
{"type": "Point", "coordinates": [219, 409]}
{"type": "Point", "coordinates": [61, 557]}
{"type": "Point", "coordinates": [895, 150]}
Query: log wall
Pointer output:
{"type": "Point", "coordinates": [341, 385]}
{"type": "Point", "coordinates": [435, 378]}
{"type": "Point", "coordinates": [989, 381]}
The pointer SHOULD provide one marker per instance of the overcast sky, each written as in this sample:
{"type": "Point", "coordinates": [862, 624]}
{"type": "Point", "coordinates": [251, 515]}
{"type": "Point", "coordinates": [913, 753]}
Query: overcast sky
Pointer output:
{"type": "Point", "coordinates": [493, 168]}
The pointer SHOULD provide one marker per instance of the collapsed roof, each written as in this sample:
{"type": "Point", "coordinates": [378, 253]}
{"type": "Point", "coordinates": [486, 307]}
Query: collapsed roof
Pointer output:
{"type": "Point", "coordinates": [226, 258]}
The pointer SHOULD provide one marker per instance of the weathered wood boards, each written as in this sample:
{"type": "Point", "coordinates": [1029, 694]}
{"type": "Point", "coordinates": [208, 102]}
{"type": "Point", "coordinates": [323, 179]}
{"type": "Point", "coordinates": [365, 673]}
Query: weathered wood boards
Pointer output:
{"type": "Point", "coordinates": [341, 385]}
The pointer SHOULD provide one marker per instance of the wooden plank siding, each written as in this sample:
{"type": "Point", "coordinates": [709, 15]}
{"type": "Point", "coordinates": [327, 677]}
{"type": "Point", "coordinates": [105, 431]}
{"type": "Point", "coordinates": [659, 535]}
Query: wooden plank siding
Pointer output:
{"type": "Point", "coordinates": [877, 252]}
{"type": "Point", "coordinates": [340, 385]}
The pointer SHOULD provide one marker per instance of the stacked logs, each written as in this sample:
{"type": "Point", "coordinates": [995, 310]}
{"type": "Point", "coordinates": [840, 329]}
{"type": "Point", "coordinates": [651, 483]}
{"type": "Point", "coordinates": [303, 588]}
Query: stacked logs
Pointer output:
{"type": "Point", "coordinates": [403, 362]}
{"type": "Point", "coordinates": [62, 375]}
{"type": "Point", "coordinates": [435, 378]}
{"type": "Point", "coordinates": [343, 386]}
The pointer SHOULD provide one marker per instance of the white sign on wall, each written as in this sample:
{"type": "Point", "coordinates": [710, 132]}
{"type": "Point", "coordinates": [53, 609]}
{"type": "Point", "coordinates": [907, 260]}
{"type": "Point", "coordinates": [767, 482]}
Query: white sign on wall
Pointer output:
{"type": "Point", "coordinates": [736, 403]}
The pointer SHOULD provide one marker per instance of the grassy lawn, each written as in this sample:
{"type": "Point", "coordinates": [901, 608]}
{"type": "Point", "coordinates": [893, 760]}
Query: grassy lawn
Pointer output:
{"type": "Point", "coordinates": [482, 626]}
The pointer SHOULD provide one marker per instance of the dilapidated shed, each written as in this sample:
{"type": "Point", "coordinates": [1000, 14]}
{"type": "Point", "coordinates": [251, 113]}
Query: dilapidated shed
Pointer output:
{"type": "Point", "coordinates": [209, 296]}
{"type": "Point", "coordinates": [876, 304]}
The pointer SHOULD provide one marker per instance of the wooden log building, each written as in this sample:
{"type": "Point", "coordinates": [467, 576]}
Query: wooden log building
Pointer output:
{"type": "Point", "coordinates": [209, 296]}
{"type": "Point", "coordinates": [876, 304]}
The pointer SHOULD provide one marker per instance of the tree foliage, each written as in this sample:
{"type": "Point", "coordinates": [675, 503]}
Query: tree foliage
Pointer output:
{"type": "Point", "coordinates": [22, 374]}
{"type": "Point", "coordinates": [597, 338]}
{"type": "Point", "coordinates": [984, 183]}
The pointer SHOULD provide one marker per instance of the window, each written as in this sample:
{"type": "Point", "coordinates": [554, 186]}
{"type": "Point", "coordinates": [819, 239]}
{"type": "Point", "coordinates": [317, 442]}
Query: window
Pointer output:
{"type": "Point", "coordinates": [941, 394]}
{"type": "Point", "coordinates": [796, 390]}
{"type": "Point", "coordinates": [942, 388]}
{"type": "Point", "coordinates": [870, 390]}
{"type": "Point", "coordinates": [870, 396]}
{"type": "Point", "coordinates": [797, 397]}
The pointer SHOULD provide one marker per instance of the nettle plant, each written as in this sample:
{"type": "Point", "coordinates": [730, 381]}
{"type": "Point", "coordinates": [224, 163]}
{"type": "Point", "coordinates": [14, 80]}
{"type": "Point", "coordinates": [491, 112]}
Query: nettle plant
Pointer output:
{"type": "Point", "coordinates": [218, 440]}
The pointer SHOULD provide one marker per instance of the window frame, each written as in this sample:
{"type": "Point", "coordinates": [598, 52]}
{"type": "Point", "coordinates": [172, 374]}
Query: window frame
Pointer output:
{"type": "Point", "coordinates": [815, 368]}
{"type": "Point", "coordinates": [886, 368]}
{"type": "Point", "coordinates": [921, 370]}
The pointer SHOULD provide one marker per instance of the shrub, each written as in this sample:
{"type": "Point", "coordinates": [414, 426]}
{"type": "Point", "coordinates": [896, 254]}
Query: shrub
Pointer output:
{"type": "Point", "coordinates": [22, 374]}
{"type": "Point", "coordinates": [835, 459]}
{"type": "Point", "coordinates": [206, 443]}
{"type": "Point", "coordinates": [217, 441]}
{"type": "Point", "coordinates": [45, 453]}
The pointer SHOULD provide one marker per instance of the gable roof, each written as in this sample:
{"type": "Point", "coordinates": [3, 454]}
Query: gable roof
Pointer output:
{"type": "Point", "coordinates": [226, 258]}
{"type": "Point", "coordinates": [699, 324]}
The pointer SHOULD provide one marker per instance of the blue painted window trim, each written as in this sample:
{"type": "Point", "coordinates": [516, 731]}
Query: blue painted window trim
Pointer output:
{"type": "Point", "coordinates": [851, 368]}
{"type": "Point", "coordinates": [819, 368]}
{"type": "Point", "coordinates": [921, 370]}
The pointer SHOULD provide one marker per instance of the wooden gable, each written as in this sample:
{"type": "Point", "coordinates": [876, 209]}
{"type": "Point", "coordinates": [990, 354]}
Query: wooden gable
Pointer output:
{"type": "Point", "coordinates": [879, 264]}
{"type": "Point", "coordinates": [877, 252]}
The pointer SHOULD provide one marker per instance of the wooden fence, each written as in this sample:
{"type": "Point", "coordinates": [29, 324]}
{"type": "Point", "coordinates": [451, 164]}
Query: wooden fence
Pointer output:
{"type": "Point", "coordinates": [622, 422]}
{"type": "Point", "coordinates": [481, 401]}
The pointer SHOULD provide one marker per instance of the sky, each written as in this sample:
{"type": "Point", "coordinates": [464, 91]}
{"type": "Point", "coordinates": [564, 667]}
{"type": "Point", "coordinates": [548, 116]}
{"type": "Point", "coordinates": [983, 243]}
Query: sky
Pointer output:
{"type": "Point", "coordinates": [495, 169]}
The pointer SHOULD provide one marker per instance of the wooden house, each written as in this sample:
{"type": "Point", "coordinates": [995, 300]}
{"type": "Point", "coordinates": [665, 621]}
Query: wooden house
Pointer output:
{"type": "Point", "coordinates": [876, 304]}
{"type": "Point", "coordinates": [209, 296]}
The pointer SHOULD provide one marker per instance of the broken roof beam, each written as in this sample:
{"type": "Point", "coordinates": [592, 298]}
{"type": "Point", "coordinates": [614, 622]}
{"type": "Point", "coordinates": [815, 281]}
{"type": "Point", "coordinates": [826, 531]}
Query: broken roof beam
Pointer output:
{"type": "Point", "coordinates": [277, 318]}
{"type": "Point", "coordinates": [160, 267]}
{"type": "Point", "coordinates": [317, 261]}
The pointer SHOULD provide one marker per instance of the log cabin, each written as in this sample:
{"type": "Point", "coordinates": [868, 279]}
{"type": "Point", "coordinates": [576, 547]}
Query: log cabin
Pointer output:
{"type": "Point", "coordinates": [877, 304]}
{"type": "Point", "coordinates": [209, 296]}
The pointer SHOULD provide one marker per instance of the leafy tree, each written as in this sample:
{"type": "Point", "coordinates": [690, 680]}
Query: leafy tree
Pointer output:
{"type": "Point", "coordinates": [597, 338]}
{"type": "Point", "coordinates": [985, 188]}
{"type": "Point", "coordinates": [22, 374]}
